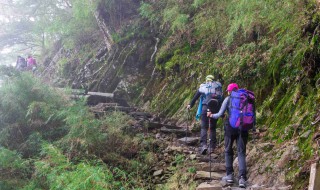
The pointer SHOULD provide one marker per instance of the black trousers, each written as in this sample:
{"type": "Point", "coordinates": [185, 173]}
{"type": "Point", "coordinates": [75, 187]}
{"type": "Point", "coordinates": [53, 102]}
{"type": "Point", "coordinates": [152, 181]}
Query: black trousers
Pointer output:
{"type": "Point", "coordinates": [204, 129]}
{"type": "Point", "coordinates": [241, 141]}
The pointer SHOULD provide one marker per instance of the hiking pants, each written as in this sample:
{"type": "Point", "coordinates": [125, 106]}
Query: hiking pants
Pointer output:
{"type": "Point", "coordinates": [204, 130]}
{"type": "Point", "coordinates": [241, 150]}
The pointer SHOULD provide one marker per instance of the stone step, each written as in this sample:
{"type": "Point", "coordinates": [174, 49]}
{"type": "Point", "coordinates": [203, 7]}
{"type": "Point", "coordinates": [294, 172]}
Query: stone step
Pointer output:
{"type": "Point", "coordinates": [204, 175]}
{"type": "Point", "coordinates": [234, 187]}
{"type": "Point", "coordinates": [140, 114]}
{"type": "Point", "coordinates": [206, 158]}
{"type": "Point", "coordinates": [215, 167]}
{"type": "Point", "coordinates": [213, 185]}
{"type": "Point", "coordinates": [180, 132]}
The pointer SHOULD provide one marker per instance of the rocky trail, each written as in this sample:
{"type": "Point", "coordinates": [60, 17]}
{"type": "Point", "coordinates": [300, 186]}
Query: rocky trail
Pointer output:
{"type": "Point", "coordinates": [175, 141]}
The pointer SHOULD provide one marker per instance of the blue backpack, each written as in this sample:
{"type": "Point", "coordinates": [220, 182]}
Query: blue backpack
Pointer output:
{"type": "Point", "coordinates": [242, 109]}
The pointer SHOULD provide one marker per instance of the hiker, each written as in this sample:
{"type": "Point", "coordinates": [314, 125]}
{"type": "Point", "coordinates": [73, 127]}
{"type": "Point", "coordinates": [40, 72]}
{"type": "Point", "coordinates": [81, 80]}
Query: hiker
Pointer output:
{"type": "Point", "coordinates": [210, 94]}
{"type": "Point", "coordinates": [31, 63]}
{"type": "Point", "coordinates": [234, 134]}
{"type": "Point", "coordinates": [21, 63]}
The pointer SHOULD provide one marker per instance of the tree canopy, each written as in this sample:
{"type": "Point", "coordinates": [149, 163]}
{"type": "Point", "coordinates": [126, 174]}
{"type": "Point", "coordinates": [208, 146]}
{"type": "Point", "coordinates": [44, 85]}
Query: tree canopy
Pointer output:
{"type": "Point", "coordinates": [32, 26]}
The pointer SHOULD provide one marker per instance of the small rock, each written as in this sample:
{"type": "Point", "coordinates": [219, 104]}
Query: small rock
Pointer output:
{"type": "Point", "coordinates": [289, 154]}
{"type": "Point", "coordinates": [174, 148]}
{"type": "Point", "coordinates": [266, 147]}
{"type": "Point", "coordinates": [306, 134]}
{"type": "Point", "coordinates": [193, 156]}
{"type": "Point", "coordinates": [189, 140]}
{"type": "Point", "coordinates": [158, 173]}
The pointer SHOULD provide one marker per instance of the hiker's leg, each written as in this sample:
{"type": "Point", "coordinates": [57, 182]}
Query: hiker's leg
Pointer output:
{"type": "Point", "coordinates": [204, 129]}
{"type": "Point", "coordinates": [213, 133]}
{"type": "Point", "coordinates": [228, 141]}
{"type": "Point", "coordinates": [241, 149]}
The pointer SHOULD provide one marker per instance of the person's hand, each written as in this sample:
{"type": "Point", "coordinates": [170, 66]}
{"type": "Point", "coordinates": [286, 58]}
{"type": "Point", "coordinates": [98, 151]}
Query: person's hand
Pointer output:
{"type": "Point", "coordinates": [209, 114]}
{"type": "Point", "coordinates": [188, 107]}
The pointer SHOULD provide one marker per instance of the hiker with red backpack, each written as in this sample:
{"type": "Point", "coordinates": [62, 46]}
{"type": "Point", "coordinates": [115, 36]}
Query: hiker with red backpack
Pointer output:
{"type": "Point", "coordinates": [210, 94]}
{"type": "Point", "coordinates": [31, 63]}
{"type": "Point", "coordinates": [241, 118]}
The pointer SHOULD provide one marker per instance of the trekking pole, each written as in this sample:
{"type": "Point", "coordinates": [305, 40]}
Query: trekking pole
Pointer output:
{"type": "Point", "coordinates": [220, 136]}
{"type": "Point", "coordinates": [209, 146]}
{"type": "Point", "coordinates": [188, 119]}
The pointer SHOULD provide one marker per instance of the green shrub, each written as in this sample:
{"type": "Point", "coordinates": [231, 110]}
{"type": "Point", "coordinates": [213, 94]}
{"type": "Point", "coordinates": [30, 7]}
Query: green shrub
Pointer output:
{"type": "Point", "coordinates": [28, 106]}
{"type": "Point", "coordinates": [147, 11]}
{"type": "Point", "coordinates": [198, 3]}
{"type": "Point", "coordinates": [55, 171]}
{"type": "Point", "coordinates": [11, 160]}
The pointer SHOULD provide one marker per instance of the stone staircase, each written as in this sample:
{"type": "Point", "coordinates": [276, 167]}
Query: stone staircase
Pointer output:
{"type": "Point", "coordinates": [210, 180]}
{"type": "Point", "coordinates": [177, 140]}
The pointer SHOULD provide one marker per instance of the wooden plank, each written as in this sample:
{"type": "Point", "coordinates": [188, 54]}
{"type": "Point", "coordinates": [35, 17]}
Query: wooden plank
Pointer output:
{"type": "Point", "coordinates": [110, 95]}
{"type": "Point", "coordinates": [314, 181]}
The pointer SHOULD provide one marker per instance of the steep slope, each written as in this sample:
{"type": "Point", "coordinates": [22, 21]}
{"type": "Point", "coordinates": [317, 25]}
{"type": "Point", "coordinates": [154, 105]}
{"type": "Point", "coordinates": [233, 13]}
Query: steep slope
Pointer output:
{"type": "Point", "coordinates": [116, 58]}
{"type": "Point", "coordinates": [271, 47]}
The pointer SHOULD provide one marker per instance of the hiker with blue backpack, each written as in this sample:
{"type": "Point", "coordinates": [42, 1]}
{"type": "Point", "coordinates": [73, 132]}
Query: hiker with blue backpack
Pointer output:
{"type": "Point", "coordinates": [21, 63]}
{"type": "Point", "coordinates": [241, 118]}
{"type": "Point", "coordinates": [210, 94]}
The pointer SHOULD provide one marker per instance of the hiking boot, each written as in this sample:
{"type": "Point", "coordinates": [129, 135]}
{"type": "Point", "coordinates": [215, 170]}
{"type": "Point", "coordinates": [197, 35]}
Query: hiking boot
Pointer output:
{"type": "Point", "coordinates": [228, 178]}
{"type": "Point", "coordinates": [242, 182]}
{"type": "Point", "coordinates": [203, 150]}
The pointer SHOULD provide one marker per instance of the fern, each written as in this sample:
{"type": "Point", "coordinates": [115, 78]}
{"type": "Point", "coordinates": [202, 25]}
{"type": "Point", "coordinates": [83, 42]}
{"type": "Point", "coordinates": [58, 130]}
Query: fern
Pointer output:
{"type": "Point", "coordinates": [147, 11]}
{"type": "Point", "coordinates": [198, 3]}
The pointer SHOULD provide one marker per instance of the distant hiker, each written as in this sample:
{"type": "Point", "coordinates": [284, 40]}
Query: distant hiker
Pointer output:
{"type": "Point", "coordinates": [21, 63]}
{"type": "Point", "coordinates": [210, 94]}
{"type": "Point", "coordinates": [31, 63]}
{"type": "Point", "coordinates": [241, 118]}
